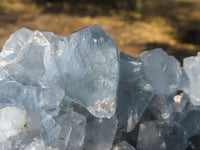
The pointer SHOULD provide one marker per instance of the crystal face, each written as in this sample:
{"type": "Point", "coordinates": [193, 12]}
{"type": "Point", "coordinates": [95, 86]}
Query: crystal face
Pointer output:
{"type": "Point", "coordinates": [163, 72]}
{"type": "Point", "coordinates": [79, 93]}
{"type": "Point", "coordinates": [191, 66]}
{"type": "Point", "coordinates": [132, 100]}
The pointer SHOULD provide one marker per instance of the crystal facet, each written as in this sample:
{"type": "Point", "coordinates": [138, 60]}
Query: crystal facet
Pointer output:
{"type": "Point", "coordinates": [191, 66]}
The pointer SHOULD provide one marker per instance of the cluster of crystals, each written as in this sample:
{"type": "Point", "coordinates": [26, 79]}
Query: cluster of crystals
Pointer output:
{"type": "Point", "coordinates": [58, 92]}
{"type": "Point", "coordinates": [159, 102]}
{"type": "Point", "coordinates": [79, 93]}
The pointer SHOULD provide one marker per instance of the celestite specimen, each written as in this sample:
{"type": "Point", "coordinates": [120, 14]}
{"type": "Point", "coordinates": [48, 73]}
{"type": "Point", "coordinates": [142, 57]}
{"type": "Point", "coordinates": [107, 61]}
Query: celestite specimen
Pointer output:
{"type": "Point", "coordinates": [79, 93]}
{"type": "Point", "coordinates": [85, 64]}
{"type": "Point", "coordinates": [42, 75]}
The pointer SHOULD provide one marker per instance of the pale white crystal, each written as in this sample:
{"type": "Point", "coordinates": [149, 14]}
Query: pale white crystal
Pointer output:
{"type": "Point", "coordinates": [12, 121]}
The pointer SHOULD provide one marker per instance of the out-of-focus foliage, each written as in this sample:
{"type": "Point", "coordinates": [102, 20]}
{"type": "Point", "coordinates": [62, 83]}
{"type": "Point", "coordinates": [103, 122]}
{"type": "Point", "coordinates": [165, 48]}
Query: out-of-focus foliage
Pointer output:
{"type": "Point", "coordinates": [119, 4]}
{"type": "Point", "coordinates": [135, 25]}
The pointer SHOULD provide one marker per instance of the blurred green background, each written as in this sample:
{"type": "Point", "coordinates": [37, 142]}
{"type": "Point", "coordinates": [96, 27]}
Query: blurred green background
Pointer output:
{"type": "Point", "coordinates": [135, 25]}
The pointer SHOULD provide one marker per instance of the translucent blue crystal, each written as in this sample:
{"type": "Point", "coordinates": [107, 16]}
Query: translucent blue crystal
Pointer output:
{"type": "Point", "coordinates": [85, 64]}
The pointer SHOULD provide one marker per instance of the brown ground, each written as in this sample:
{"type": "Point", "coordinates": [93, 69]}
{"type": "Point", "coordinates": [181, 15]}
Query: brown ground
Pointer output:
{"type": "Point", "coordinates": [172, 26]}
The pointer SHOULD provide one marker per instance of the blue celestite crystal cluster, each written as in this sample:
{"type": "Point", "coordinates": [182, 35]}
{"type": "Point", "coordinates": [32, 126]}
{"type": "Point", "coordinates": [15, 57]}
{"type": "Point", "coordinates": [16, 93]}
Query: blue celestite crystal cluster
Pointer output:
{"type": "Point", "coordinates": [79, 93]}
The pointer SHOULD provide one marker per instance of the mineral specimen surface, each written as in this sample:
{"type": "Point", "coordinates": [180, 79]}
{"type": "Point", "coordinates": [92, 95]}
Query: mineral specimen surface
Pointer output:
{"type": "Point", "coordinates": [85, 64]}
{"type": "Point", "coordinates": [79, 93]}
